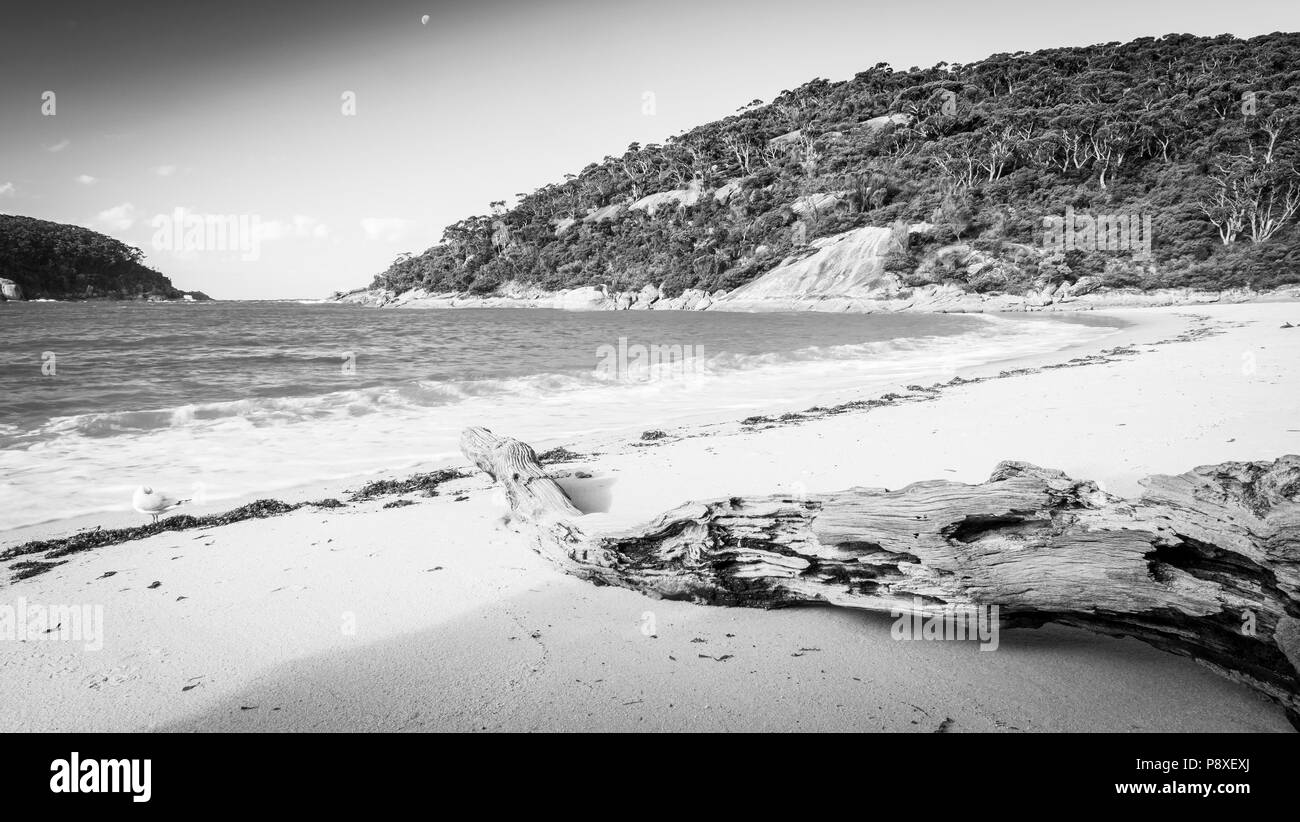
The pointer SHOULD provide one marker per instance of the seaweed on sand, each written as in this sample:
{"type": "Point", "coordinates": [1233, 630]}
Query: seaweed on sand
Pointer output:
{"type": "Point", "coordinates": [428, 483]}
{"type": "Point", "coordinates": [100, 537]}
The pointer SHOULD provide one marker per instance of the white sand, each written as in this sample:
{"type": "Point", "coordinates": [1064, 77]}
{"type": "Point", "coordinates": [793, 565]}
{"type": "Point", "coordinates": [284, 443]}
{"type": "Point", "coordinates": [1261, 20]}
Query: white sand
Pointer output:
{"type": "Point", "coordinates": [458, 626]}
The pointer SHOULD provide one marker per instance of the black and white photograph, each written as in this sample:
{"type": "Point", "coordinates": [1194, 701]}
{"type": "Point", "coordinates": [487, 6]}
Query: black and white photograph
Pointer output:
{"type": "Point", "coordinates": [690, 366]}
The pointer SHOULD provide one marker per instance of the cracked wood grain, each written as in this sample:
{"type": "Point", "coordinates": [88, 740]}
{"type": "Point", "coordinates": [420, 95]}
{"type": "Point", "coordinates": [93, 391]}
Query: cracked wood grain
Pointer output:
{"type": "Point", "coordinates": [1205, 564]}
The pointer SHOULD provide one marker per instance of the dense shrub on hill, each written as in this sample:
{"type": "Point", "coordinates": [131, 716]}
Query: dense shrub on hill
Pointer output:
{"type": "Point", "coordinates": [58, 261]}
{"type": "Point", "coordinates": [1198, 134]}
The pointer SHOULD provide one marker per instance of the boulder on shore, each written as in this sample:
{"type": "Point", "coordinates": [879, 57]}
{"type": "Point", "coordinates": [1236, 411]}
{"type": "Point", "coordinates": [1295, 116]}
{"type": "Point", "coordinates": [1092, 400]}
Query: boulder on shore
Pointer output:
{"type": "Point", "coordinates": [584, 298]}
{"type": "Point", "coordinates": [646, 297]}
{"type": "Point", "coordinates": [10, 290]}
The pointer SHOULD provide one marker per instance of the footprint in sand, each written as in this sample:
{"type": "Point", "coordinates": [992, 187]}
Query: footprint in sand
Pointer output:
{"type": "Point", "coordinates": [128, 671]}
{"type": "Point", "coordinates": [112, 677]}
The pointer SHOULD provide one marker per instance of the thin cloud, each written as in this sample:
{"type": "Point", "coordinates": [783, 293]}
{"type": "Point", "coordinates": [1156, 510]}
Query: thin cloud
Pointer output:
{"type": "Point", "coordinates": [119, 217]}
{"type": "Point", "coordinates": [301, 226]}
{"type": "Point", "coordinates": [305, 226]}
{"type": "Point", "coordinates": [8, 190]}
{"type": "Point", "coordinates": [386, 229]}
{"type": "Point", "coordinates": [59, 146]}
{"type": "Point", "coordinates": [164, 171]}
{"type": "Point", "coordinates": [86, 179]}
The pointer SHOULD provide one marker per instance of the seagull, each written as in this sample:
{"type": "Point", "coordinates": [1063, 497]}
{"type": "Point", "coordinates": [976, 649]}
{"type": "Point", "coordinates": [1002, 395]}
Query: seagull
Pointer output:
{"type": "Point", "coordinates": [147, 501]}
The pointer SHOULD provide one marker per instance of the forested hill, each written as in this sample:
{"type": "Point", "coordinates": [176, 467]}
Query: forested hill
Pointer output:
{"type": "Point", "coordinates": [56, 261]}
{"type": "Point", "coordinates": [1197, 133]}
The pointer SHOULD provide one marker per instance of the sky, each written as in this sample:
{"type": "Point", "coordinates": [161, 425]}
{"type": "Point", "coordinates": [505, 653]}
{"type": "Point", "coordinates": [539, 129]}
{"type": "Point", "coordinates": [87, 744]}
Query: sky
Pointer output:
{"type": "Point", "coordinates": [346, 133]}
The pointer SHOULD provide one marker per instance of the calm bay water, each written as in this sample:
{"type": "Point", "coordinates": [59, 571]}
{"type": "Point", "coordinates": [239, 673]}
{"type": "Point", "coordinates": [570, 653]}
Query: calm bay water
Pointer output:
{"type": "Point", "coordinates": [222, 400]}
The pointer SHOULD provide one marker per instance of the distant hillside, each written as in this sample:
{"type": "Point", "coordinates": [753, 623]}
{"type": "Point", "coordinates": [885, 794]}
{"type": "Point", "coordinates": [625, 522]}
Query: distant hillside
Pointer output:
{"type": "Point", "coordinates": [1196, 135]}
{"type": "Point", "coordinates": [64, 262]}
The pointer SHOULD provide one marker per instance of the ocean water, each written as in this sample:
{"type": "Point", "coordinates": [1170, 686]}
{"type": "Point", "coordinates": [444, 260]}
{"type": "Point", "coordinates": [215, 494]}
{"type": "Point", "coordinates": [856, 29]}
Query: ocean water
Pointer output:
{"type": "Point", "coordinates": [222, 400]}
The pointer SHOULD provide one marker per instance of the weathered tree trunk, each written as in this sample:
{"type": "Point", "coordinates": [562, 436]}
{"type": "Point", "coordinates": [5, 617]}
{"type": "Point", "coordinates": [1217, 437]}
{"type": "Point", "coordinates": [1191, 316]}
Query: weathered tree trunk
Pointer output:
{"type": "Point", "coordinates": [1204, 564]}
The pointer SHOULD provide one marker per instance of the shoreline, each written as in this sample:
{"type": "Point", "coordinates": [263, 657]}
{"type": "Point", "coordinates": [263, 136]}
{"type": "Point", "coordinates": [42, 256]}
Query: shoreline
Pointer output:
{"type": "Point", "coordinates": [433, 616]}
{"type": "Point", "coordinates": [928, 299]}
{"type": "Point", "coordinates": [299, 493]}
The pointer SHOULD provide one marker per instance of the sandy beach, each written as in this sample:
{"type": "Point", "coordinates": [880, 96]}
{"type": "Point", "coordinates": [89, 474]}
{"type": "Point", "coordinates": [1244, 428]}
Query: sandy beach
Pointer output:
{"type": "Point", "coordinates": [438, 616]}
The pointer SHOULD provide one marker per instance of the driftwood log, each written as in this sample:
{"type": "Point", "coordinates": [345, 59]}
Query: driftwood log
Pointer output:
{"type": "Point", "coordinates": [1204, 564]}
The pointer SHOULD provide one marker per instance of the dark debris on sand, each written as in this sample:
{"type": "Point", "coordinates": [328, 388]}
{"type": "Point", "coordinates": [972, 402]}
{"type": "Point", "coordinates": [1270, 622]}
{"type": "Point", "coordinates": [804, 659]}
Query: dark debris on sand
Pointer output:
{"type": "Point", "coordinates": [558, 455]}
{"type": "Point", "coordinates": [427, 483]}
{"type": "Point", "coordinates": [100, 538]}
{"type": "Point", "coordinates": [259, 509]}
{"type": "Point", "coordinates": [31, 567]}
{"type": "Point", "coordinates": [920, 393]}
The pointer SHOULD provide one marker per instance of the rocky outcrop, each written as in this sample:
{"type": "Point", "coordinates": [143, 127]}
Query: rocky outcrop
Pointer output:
{"type": "Point", "coordinates": [789, 138]}
{"type": "Point", "coordinates": [847, 273]}
{"type": "Point", "coordinates": [374, 297]}
{"type": "Point", "coordinates": [877, 123]}
{"type": "Point", "coordinates": [600, 215]}
{"type": "Point", "coordinates": [724, 193]}
{"type": "Point", "coordinates": [645, 298]}
{"type": "Point", "coordinates": [692, 299]}
{"type": "Point", "coordinates": [1084, 285]}
{"type": "Point", "coordinates": [842, 270]}
{"type": "Point", "coordinates": [936, 298]}
{"type": "Point", "coordinates": [815, 204]}
{"type": "Point", "coordinates": [586, 298]}
{"type": "Point", "coordinates": [651, 203]}
{"type": "Point", "coordinates": [510, 295]}
{"type": "Point", "coordinates": [12, 291]}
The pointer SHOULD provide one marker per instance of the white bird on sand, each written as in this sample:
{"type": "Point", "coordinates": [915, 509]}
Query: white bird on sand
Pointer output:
{"type": "Point", "coordinates": [151, 502]}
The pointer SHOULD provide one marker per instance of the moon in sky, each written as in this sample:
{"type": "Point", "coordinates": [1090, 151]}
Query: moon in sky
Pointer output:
{"type": "Point", "coordinates": [424, 21]}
